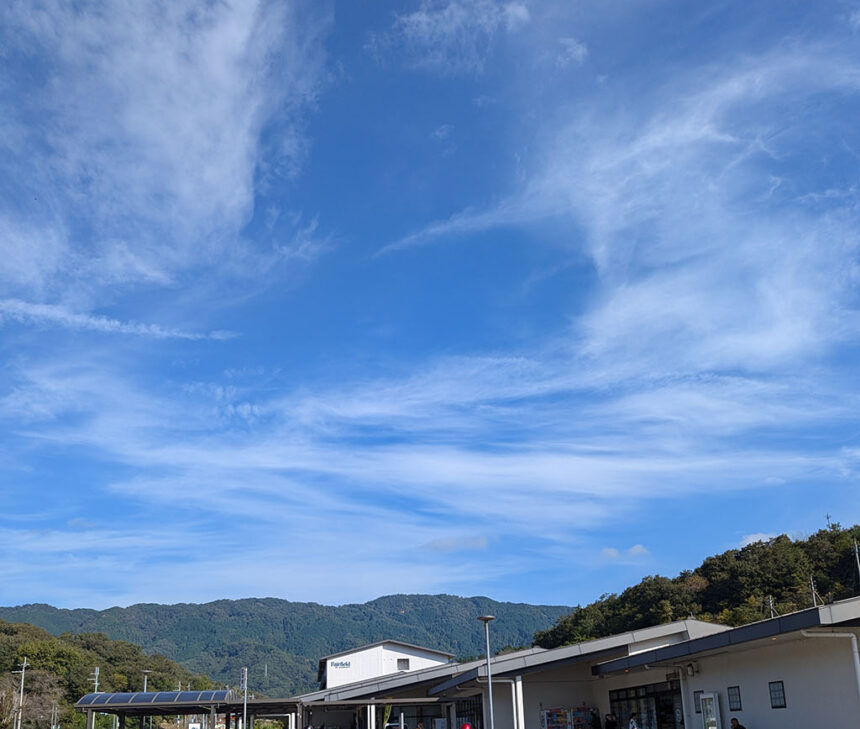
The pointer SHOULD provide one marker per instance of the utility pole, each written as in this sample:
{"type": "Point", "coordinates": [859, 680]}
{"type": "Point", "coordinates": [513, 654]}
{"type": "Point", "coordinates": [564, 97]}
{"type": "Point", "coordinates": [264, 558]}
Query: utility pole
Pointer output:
{"type": "Point", "coordinates": [19, 716]}
{"type": "Point", "coordinates": [770, 606]}
{"type": "Point", "coordinates": [857, 558]}
{"type": "Point", "coordinates": [94, 679]}
{"type": "Point", "coordinates": [812, 586]}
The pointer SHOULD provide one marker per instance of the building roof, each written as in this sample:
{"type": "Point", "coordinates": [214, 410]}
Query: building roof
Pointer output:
{"type": "Point", "coordinates": [844, 612]}
{"type": "Point", "coordinates": [522, 662]}
{"type": "Point", "coordinates": [325, 659]}
{"type": "Point", "coordinates": [103, 698]}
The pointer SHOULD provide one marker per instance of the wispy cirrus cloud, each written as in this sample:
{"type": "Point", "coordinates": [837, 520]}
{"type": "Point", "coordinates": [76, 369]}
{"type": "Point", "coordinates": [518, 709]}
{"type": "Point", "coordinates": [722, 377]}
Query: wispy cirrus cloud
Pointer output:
{"type": "Point", "coordinates": [571, 52]}
{"type": "Point", "coordinates": [757, 537]}
{"type": "Point", "coordinates": [49, 314]}
{"type": "Point", "coordinates": [449, 36]}
{"type": "Point", "coordinates": [707, 248]}
{"type": "Point", "coordinates": [145, 160]}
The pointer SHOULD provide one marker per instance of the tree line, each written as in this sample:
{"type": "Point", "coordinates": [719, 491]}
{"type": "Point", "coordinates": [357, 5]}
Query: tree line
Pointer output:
{"type": "Point", "coordinates": [736, 587]}
{"type": "Point", "coordinates": [60, 667]}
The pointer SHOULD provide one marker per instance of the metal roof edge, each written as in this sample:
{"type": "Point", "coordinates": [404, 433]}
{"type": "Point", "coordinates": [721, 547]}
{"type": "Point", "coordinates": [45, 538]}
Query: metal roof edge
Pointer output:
{"type": "Point", "coordinates": [808, 618]}
{"type": "Point", "coordinates": [386, 641]}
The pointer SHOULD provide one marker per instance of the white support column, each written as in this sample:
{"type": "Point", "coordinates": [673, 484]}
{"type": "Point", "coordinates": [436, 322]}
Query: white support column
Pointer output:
{"type": "Point", "coordinates": [484, 713]}
{"type": "Point", "coordinates": [452, 713]}
{"type": "Point", "coordinates": [521, 710]}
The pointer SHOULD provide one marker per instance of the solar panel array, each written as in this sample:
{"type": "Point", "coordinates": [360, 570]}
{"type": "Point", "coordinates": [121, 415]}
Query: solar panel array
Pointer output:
{"type": "Point", "coordinates": [155, 697]}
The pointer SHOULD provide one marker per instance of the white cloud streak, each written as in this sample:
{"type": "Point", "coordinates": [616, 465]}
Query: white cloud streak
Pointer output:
{"type": "Point", "coordinates": [149, 144]}
{"type": "Point", "coordinates": [451, 36]}
{"type": "Point", "coordinates": [47, 314]}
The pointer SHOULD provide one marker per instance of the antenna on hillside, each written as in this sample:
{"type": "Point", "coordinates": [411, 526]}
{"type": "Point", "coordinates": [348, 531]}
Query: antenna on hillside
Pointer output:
{"type": "Point", "coordinates": [815, 596]}
{"type": "Point", "coordinates": [827, 516]}
{"type": "Point", "coordinates": [94, 679]}
{"type": "Point", "coordinates": [773, 612]}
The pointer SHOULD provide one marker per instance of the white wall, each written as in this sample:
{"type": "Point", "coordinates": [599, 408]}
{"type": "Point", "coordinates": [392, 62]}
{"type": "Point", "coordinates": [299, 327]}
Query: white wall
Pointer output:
{"type": "Point", "coordinates": [818, 675]}
{"type": "Point", "coordinates": [568, 687]}
{"type": "Point", "coordinates": [377, 660]}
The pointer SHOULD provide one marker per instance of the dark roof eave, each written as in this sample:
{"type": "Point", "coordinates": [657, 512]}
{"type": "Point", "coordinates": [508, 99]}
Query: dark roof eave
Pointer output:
{"type": "Point", "coordinates": [810, 618]}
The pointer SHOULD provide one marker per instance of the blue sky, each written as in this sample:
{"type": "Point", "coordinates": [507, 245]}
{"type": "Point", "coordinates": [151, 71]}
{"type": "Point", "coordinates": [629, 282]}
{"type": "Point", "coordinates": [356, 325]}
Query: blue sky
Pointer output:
{"type": "Point", "coordinates": [330, 300]}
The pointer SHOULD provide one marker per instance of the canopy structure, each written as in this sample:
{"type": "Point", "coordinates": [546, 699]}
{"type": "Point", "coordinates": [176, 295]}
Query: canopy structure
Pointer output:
{"type": "Point", "coordinates": [126, 700]}
{"type": "Point", "coordinates": [181, 703]}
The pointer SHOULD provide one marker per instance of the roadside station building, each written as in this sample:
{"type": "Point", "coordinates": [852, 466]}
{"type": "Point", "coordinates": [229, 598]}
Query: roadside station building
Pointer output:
{"type": "Point", "coordinates": [800, 670]}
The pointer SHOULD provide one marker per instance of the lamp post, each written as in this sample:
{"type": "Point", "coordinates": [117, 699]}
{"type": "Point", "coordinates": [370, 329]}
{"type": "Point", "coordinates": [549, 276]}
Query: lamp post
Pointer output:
{"type": "Point", "coordinates": [145, 673]}
{"type": "Point", "coordinates": [244, 698]}
{"type": "Point", "coordinates": [485, 619]}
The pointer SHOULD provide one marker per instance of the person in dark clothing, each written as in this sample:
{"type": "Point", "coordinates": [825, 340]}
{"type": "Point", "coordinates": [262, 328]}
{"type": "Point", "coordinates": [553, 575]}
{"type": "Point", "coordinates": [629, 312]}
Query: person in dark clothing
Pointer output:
{"type": "Point", "coordinates": [611, 722]}
{"type": "Point", "coordinates": [736, 724]}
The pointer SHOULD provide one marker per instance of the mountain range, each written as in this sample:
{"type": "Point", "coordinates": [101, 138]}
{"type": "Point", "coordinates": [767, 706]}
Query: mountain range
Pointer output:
{"type": "Point", "coordinates": [281, 642]}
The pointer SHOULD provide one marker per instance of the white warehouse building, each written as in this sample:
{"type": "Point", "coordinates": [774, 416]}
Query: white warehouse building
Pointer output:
{"type": "Point", "coordinates": [377, 659]}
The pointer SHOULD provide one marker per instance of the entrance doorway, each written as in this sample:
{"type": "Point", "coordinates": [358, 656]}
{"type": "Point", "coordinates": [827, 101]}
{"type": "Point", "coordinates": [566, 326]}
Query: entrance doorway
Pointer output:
{"type": "Point", "coordinates": [658, 705]}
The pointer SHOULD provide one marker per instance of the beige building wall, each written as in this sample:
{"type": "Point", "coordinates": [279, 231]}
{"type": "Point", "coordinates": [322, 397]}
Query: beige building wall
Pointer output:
{"type": "Point", "coordinates": [818, 675]}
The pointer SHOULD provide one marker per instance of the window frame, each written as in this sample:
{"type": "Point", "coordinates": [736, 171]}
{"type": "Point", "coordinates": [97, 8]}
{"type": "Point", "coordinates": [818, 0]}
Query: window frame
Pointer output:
{"type": "Point", "coordinates": [771, 685]}
{"type": "Point", "coordinates": [697, 701]}
{"type": "Point", "coordinates": [733, 694]}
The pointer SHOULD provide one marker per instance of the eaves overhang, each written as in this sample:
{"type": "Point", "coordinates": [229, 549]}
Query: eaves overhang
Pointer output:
{"type": "Point", "coordinates": [843, 612]}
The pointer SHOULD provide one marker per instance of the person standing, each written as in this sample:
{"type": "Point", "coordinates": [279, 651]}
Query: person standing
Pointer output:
{"type": "Point", "coordinates": [736, 724]}
{"type": "Point", "coordinates": [611, 722]}
{"type": "Point", "coordinates": [634, 721]}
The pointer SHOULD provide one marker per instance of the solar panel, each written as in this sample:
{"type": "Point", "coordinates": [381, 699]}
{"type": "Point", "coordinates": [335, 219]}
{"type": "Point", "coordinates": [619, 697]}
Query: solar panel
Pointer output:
{"type": "Point", "coordinates": [143, 698]}
{"type": "Point", "coordinates": [155, 697]}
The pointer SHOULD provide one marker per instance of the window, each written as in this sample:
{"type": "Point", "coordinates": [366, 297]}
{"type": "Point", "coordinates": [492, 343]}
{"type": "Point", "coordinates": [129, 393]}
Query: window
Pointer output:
{"type": "Point", "coordinates": [735, 698]}
{"type": "Point", "coordinates": [402, 664]}
{"type": "Point", "coordinates": [777, 694]}
{"type": "Point", "coordinates": [697, 701]}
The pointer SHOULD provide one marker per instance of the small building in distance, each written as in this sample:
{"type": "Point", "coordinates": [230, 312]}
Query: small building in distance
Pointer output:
{"type": "Point", "coordinates": [376, 659]}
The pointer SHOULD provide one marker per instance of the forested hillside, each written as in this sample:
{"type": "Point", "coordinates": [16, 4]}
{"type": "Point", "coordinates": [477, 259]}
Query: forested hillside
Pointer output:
{"type": "Point", "coordinates": [733, 588]}
{"type": "Point", "coordinates": [282, 641]}
{"type": "Point", "coordinates": [59, 668]}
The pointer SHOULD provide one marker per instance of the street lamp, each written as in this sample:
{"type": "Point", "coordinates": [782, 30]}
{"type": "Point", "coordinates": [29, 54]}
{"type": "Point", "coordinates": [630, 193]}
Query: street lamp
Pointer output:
{"type": "Point", "coordinates": [146, 672]}
{"type": "Point", "coordinates": [485, 619]}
